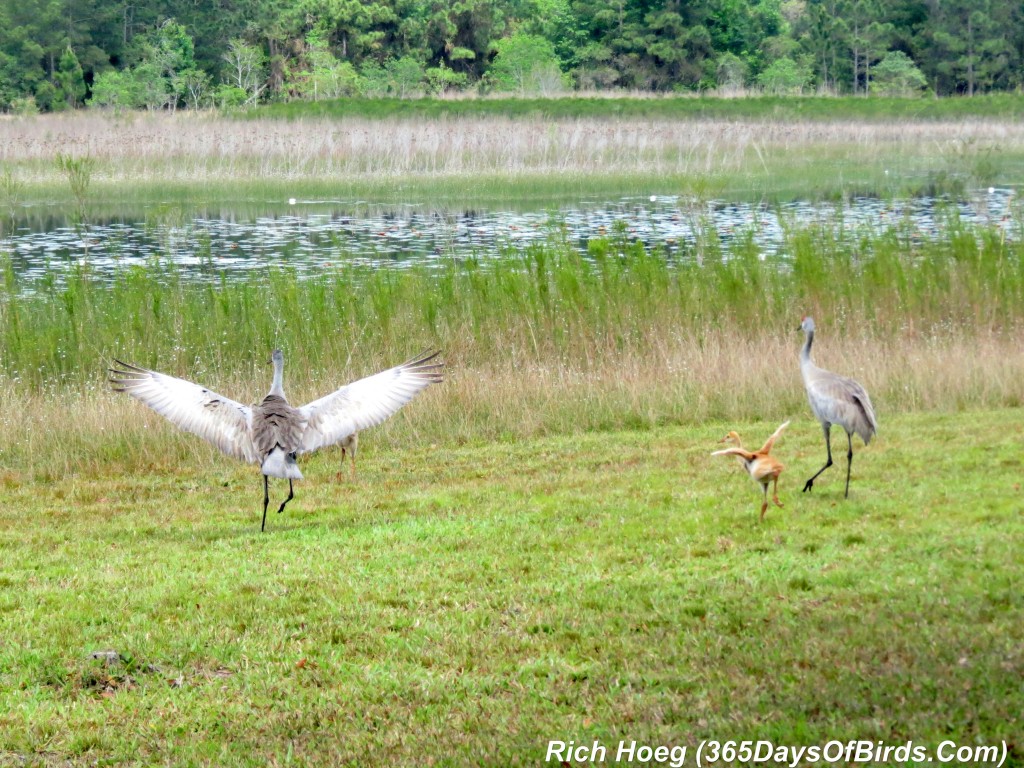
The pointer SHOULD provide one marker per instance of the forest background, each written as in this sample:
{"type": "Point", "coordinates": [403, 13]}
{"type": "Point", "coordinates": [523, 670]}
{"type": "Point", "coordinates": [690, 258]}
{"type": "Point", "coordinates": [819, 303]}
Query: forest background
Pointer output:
{"type": "Point", "coordinates": [169, 54]}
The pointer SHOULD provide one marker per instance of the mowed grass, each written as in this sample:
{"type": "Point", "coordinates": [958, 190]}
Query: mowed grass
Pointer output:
{"type": "Point", "coordinates": [463, 605]}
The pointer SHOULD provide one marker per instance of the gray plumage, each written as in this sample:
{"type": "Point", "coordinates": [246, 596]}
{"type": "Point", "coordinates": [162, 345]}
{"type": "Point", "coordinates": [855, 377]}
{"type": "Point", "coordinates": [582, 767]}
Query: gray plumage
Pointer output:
{"type": "Point", "coordinates": [838, 400]}
{"type": "Point", "coordinates": [277, 428]}
{"type": "Point", "coordinates": [273, 433]}
{"type": "Point", "coordinates": [277, 435]}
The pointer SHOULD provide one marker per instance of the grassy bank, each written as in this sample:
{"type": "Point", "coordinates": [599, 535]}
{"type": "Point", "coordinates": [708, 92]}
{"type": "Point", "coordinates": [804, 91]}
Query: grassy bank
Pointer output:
{"type": "Point", "coordinates": [464, 605]}
{"type": "Point", "coordinates": [999, 106]}
{"type": "Point", "coordinates": [488, 161]}
{"type": "Point", "coordinates": [541, 342]}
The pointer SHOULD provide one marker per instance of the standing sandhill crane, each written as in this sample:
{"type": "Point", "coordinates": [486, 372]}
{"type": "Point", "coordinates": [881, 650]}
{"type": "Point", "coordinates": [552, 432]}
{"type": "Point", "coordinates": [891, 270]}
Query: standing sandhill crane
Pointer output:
{"type": "Point", "coordinates": [838, 400]}
{"type": "Point", "coordinates": [273, 433]}
{"type": "Point", "coordinates": [763, 469]}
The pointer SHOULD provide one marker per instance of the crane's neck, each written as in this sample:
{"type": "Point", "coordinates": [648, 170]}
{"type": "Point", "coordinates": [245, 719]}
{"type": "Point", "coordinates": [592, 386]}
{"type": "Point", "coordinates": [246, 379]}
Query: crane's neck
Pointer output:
{"type": "Point", "coordinates": [805, 353]}
{"type": "Point", "coordinates": [277, 388]}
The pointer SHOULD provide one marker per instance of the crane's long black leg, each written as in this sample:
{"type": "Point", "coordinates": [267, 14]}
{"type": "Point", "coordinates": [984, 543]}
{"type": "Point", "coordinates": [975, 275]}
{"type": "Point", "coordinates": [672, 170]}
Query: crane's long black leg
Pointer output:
{"type": "Point", "coordinates": [828, 445]}
{"type": "Point", "coordinates": [849, 463]}
{"type": "Point", "coordinates": [291, 495]}
{"type": "Point", "coordinates": [266, 500]}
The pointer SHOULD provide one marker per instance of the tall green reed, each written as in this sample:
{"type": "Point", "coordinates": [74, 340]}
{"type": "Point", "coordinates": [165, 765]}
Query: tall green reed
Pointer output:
{"type": "Point", "coordinates": [548, 304]}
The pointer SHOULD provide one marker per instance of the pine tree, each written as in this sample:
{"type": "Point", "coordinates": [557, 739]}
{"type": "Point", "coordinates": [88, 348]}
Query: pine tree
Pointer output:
{"type": "Point", "coordinates": [70, 78]}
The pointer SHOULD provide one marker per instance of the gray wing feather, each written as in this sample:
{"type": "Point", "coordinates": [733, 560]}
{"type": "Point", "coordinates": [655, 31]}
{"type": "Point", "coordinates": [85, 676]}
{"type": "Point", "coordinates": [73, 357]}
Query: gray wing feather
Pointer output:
{"type": "Point", "coordinates": [217, 419]}
{"type": "Point", "coordinates": [840, 400]}
{"type": "Point", "coordinates": [274, 423]}
{"type": "Point", "coordinates": [367, 402]}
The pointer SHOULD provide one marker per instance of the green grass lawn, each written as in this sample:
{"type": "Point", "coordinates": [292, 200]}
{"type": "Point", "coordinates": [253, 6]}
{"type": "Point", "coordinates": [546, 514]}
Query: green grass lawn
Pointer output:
{"type": "Point", "coordinates": [462, 605]}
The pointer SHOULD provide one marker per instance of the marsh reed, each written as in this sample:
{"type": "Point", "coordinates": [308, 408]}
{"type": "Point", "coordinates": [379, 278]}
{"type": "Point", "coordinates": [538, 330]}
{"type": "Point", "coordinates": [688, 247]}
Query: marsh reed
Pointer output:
{"type": "Point", "coordinates": [207, 154]}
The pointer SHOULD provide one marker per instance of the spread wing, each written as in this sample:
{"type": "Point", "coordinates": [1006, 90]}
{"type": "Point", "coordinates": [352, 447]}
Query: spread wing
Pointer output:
{"type": "Point", "coordinates": [367, 402]}
{"type": "Point", "coordinates": [767, 447]}
{"type": "Point", "coordinates": [217, 419]}
{"type": "Point", "coordinates": [747, 455]}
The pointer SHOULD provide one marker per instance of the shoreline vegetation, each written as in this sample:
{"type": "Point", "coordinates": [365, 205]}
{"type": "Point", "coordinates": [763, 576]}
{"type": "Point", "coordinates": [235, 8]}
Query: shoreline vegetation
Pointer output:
{"type": "Point", "coordinates": [539, 342]}
{"type": "Point", "coordinates": [759, 150]}
{"type": "Point", "coordinates": [654, 106]}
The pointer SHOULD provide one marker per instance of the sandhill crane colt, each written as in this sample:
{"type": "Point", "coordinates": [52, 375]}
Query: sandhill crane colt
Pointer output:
{"type": "Point", "coordinates": [273, 433]}
{"type": "Point", "coordinates": [349, 446]}
{"type": "Point", "coordinates": [838, 400]}
{"type": "Point", "coordinates": [761, 467]}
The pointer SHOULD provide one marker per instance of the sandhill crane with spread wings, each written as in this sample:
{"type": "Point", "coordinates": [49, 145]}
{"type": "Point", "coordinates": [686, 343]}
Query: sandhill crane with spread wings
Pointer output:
{"type": "Point", "coordinates": [838, 400]}
{"type": "Point", "coordinates": [273, 433]}
{"type": "Point", "coordinates": [761, 467]}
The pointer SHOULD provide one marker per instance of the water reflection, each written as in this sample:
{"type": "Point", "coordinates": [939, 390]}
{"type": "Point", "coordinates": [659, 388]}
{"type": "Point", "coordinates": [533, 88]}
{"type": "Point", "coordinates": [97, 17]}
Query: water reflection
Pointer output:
{"type": "Point", "coordinates": [43, 243]}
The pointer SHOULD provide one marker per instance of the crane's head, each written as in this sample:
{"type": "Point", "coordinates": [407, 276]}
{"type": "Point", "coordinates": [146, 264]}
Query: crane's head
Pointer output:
{"type": "Point", "coordinates": [276, 357]}
{"type": "Point", "coordinates": [807, 324]}
{"type": "Point", "coordinates": [731, 437]}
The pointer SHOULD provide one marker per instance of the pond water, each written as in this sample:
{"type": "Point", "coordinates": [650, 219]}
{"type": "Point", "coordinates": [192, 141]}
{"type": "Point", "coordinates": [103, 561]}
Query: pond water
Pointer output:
{"type": "Point", "coordinates": [313, 235]}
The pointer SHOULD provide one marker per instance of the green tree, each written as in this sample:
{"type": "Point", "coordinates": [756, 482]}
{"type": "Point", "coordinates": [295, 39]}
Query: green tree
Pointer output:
{"type": "Point", "coordinates": [172, 52]}
{"type": "Point", "coordinates": [374, 79]}
{"type": "Point", "coordinates": [351, 27]}
{"type": "Point", "coordinates": [556, 22]}
{"type": "Point", "coordinates": [442, 79]}
{"type": "Point", "coordinates": [209, 25]}
{"type": "Point", "coordinates": [400, 77]}
{"type": "Point", "coordinates": [523, 63]}
{"type": "Point", "coordinates": [406, 74]}
{"type": "Point", "coordinates": [742, 28]}
{"type": "Point", "coordinates": [820, 30]}
{"type": "Point", "coordinates": [594, 67]}
{"type": "Point", "coordinates": [460, 33]}
{"type": "Point", "coordinates": [228, 96]}
{"type": "Point", "coordinates": [140, 87]}
{"type": "Point", "coordinates": [151, 87]}
{"type": "Point", "coordinates": [46, 96]}
{"type": "Point", "coordinates": [897, 75]}
{"type": "Point", "coordinates": [245, 70]}
{"type": "Point", "coordinates": [115, 90]}
{"type": "Point", "coordinates": [784, 77]}
{"type": "Point", "coordinates": [324, 76]}
{"type": "Point", "coordinates": [21, 54]}
{"type": "Point", "coordinates": [196, 84]}
{"type": "Point", "coordinates": [677, 51]}
{"type": "Point", "coordinates": [970, 39]}
{"type": "Point", "coordinates": [730, 73]}
{"type": "Point", "coordinates": [867, 39]}
{"type": "Point", "coordinates": [70, 79]}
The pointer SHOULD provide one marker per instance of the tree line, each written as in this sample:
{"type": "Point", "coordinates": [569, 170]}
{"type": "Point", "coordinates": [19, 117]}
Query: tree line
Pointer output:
{"type": "Point", "coordinates": [171, 54]}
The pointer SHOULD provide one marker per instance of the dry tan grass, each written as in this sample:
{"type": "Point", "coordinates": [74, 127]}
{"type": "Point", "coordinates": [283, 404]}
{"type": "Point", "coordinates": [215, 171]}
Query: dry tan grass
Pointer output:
{"type": "Point", "coordinates": [202, 148]}
{"type": "Point", "coordinates": [719, 377]}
